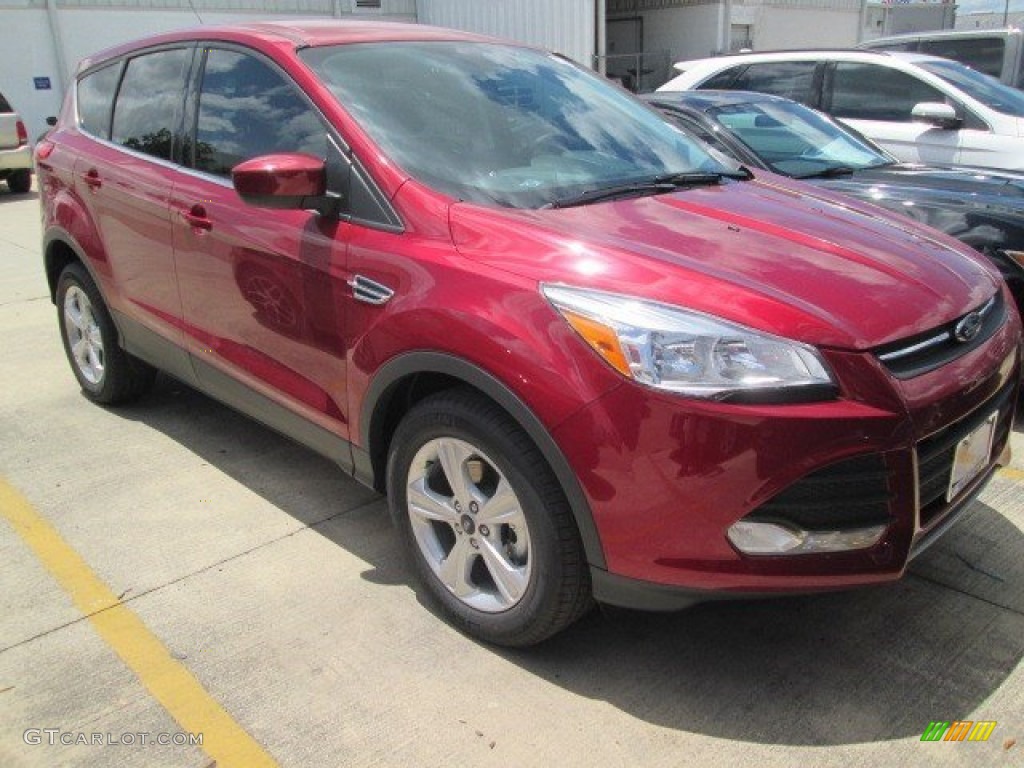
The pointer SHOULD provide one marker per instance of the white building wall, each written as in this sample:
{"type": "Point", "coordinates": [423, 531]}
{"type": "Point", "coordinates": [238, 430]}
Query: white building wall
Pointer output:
{"type": "Point", "coordinates": [990, 20]}
{"type": "Point", "coordinates": [565, 26]}
{"type": "Point", "coordinates": [694, 29]}
{"type": "Point", "coordinates": [26, 55]}
{"type": "Point", "coordinates": [803, 27]}
{"type": "Point", "coordinates": [669, 35]}
{"type": "Point", "coordinates": [686, 33]}
{"type": "Point", "coordinates": [89, 26]}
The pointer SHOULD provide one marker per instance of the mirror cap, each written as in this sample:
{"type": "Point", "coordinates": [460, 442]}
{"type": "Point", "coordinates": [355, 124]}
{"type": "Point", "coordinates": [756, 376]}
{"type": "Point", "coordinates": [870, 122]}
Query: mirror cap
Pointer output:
{"type": "Point", "coordinates": [285, 180]}
{"type": "Point", "coordinates": [937, 114]}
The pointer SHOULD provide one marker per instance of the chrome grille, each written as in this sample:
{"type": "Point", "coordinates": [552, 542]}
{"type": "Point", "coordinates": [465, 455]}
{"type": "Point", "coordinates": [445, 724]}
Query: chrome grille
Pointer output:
{"type": "Point", "coordinates": [927, 351]}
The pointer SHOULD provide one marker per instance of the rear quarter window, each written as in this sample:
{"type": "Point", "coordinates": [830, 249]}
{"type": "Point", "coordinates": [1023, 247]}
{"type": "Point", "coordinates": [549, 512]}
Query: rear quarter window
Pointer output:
{"type": "Point", "coordinates": [4, 105]}
{"type": "Point", "coordinates": [790, 79]}
{"type": "Point", "coordinates": [722, 81]}
{"type": "Point", "coordinates": [905, 45]}
{"type": "Point", "coordinates": [96, 100]}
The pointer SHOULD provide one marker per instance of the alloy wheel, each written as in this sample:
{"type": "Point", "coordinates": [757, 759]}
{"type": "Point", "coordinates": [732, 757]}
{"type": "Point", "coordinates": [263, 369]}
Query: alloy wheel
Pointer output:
{"type": "Point", "coordinates": [85, 339]}
{"type": "Point", "coordinates": [469, 524]}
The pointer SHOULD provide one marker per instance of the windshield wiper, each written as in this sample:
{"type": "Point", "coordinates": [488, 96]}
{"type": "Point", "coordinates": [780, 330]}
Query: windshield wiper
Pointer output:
{"type": "Point", "coordinates": [828, 173]}
{"type": "Point", "coordinates": [656, 185]}
{"type": "Point", "coordinates": [610, 193]}
{"type": "Point", "coordinates": [694, 178]}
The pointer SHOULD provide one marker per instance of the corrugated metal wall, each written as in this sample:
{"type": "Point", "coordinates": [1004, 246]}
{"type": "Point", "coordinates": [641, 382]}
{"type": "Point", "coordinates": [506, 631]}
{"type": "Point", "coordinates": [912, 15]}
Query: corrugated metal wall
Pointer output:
{"type": "Point", "coordinates": [565, 26]}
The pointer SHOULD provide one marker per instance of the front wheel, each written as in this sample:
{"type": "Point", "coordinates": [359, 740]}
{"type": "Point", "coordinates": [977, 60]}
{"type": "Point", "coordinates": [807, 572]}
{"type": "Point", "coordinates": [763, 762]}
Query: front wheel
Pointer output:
{"type": "Point", "coordinates": [485, 521]}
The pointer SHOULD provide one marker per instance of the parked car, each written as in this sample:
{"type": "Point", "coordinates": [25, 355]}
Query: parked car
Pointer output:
{"type": "Point", "coordinates": [922, 109]}
{"type": "Point", "coordinates": [585, 356]}
{"type": "Point", "coordinates": [15, 152]}
{"type": "Point", "coordinates": [982, 208]}
{"type": "Point", "coordinates": [996, 52]}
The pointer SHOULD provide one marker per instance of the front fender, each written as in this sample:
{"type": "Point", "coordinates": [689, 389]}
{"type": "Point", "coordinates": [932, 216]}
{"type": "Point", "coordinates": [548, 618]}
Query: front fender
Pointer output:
{"type": "Point", "coordinates": [412, 363]}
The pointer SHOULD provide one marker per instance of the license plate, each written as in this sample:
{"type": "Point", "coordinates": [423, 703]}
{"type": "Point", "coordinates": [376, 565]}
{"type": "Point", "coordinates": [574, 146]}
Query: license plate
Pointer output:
{"type": "Point", "coordinates": [972, 454]}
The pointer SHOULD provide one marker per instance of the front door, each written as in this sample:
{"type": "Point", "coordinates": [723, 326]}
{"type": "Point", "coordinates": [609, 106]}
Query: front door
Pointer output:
{"type": "Point", "coordinates": [262, 289]}
{"type": "Point", "coordinates": [878, 102]}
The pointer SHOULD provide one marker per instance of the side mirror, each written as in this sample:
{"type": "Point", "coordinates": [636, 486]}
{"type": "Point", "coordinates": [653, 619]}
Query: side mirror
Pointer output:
{"type": "Point", "coordinates": [51, 120]}
{"type": "Point", "coordinates": [935, 113]}
{"type": "Point", "coordinates": [288, 180]}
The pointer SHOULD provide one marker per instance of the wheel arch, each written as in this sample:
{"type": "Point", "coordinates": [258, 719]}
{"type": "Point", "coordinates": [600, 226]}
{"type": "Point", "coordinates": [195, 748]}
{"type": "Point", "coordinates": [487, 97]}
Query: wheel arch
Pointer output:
{"type": "Point", "coordinates": [408, 378]}
{"type": "Point", "coordinates": [59, 250]}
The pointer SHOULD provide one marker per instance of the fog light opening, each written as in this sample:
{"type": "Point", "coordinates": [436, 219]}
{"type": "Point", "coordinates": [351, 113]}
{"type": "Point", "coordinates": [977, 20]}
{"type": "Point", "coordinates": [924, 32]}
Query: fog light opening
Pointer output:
{"type": "Point", "coordinates": [763, 538]}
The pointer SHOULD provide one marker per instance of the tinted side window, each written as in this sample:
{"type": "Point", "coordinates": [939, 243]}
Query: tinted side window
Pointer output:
{"type": "Point", "coordinates": [871, 92]}
{"type": "Point", "coordinates": [96, 100]}
{"type": "Point", "coordinates": [792, 79]}
{"type": "Point", "coordinates": [247, 109]}
{"type": "Point", "coordinates": [696, 129]}
{"type": "Point", "coordinates": [149, 102]}
{"type": "Point", "coordinates": [984, 54]}
{"type": "Point", "coordinates": [4, 105]}
{"type": "Point", "coordinates": [906, 45]}
{"type": "Point", "coordinates": [722, 81]}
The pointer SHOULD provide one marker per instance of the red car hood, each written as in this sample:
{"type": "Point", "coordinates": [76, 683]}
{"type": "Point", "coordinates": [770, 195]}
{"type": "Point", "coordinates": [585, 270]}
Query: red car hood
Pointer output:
{"type": "Point", "coordinates": [771, 254]}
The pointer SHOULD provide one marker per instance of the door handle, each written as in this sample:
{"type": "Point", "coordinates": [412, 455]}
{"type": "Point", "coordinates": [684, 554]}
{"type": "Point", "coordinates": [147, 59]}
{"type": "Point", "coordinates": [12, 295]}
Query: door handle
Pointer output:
{"type": "Point", "coordinates": [92, 179]}
{"type": "Point", "coordinates": [196, 218]}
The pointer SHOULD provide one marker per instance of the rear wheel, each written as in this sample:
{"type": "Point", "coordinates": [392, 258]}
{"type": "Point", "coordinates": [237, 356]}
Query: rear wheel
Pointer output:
{"type": "Point", "coordinates": [485, 521]}
{"type": "Point", "coordinates": [20, 182]}
{"type": "Point", "coordinates": [106, 373]}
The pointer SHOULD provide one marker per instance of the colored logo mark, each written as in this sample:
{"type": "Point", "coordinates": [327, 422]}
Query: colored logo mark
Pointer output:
{"type": "Point", "coordinates": [959, 730]}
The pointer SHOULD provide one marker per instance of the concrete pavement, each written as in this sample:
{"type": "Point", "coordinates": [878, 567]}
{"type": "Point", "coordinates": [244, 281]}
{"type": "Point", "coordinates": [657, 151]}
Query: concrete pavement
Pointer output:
{"type": "Point", "coordinates": [278, 585]}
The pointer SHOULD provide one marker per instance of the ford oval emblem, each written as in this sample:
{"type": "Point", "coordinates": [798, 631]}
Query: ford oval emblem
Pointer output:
{"type": "Point", "coordinates": [968, 327]}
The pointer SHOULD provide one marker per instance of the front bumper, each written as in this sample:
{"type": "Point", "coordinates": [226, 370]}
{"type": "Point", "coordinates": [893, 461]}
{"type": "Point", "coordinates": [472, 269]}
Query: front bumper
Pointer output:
{"type": "Point", "coordinates": [16, 159]}
{"type": "Point", "coordinates": [666, 477]}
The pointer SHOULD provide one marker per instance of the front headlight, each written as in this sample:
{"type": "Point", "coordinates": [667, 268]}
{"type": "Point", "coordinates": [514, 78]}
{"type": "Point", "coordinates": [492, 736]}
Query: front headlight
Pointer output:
{"type": "Point", "coordinates": [692, 353]}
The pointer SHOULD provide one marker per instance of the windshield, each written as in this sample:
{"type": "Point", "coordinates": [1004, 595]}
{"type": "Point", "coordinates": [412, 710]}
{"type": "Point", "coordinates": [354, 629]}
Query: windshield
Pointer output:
{"type": "Point", "coordinates": [796, 141]}
{"type": "Point", "coordinates": [500, 124]}
{"type": "Point", "coordinates": [986, 89]}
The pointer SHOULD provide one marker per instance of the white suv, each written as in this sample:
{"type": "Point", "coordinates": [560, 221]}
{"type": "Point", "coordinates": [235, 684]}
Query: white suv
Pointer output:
{"type": "Point", "coordinates": [921, 108]}
{"type": "Point", "coordinates": [15, 152]}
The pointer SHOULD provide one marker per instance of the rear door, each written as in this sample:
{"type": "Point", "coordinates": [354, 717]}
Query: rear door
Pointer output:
{"type": "Point", "coordinates": [123, 176]}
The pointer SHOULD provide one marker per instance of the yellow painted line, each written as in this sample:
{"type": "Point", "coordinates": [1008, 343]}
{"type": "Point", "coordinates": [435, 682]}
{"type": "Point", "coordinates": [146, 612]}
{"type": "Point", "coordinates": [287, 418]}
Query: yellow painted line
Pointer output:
{"type": "Point", "coordinates": [1012, 473]}
{"type": "Point", "coordinates": [167, 680]}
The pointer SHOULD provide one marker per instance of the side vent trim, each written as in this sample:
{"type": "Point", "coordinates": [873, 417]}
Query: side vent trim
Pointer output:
{"type": "Point", "coordinates": [369, 291]}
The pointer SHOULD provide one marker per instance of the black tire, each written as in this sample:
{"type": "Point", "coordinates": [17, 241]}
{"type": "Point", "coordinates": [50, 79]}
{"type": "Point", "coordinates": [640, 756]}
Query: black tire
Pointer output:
{"type": "Point", "coordinates": [557, 591]}
{"type": "Point", "coordinates": [123, 377]}
{"type": "Point", "coordinates": [20, 182]}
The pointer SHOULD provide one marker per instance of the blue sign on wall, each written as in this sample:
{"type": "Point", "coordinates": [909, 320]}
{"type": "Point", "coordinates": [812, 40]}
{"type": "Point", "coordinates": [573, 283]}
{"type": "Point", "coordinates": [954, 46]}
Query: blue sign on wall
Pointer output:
{"type": "Point", "coordinates": [41, 83]}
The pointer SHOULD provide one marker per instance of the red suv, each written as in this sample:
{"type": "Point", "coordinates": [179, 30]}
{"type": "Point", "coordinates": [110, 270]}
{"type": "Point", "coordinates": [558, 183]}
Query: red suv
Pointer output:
{"type": "Point", "coordinates": [585, 356]}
